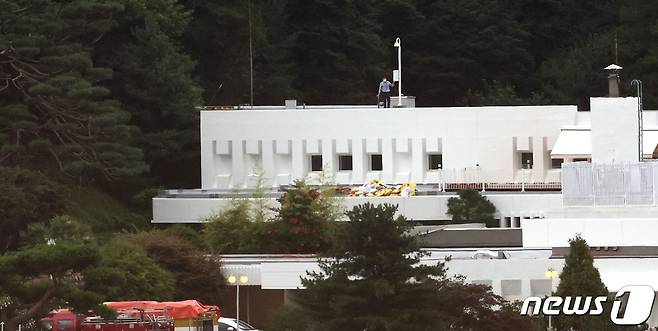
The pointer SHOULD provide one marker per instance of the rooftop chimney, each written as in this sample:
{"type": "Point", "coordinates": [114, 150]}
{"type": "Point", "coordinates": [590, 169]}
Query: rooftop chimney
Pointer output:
{"type": "Point", "coordinates": [613, 80]}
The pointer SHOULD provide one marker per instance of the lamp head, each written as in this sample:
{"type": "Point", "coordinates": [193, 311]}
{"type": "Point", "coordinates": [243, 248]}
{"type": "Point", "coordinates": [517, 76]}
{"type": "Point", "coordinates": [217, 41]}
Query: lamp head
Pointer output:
{"type": "Point", "coordinates": [232, 279]}
{"type": "Point", "coordinates": [397, 42]}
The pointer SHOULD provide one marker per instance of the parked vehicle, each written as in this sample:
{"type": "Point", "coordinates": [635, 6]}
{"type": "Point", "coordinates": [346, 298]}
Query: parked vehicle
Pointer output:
{"type": "Point", "coordinates": [229, 324]}
{"type": "Point", "coordinates": [139, 316]}
{"type": "Point", "coordinates": [135, 320]}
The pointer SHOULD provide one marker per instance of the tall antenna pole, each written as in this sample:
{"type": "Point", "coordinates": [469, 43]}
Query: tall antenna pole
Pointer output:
{"type": "Point", "coordinates": [251, 59]}
{"type": "Point", "coordinates": [640, 126]}
{"type": "Point", "coordinates": [616, 50]}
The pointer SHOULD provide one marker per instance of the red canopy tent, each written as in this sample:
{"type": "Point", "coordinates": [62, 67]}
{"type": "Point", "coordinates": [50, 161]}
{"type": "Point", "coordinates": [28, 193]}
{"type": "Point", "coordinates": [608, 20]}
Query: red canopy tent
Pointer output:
{"type": "Point", "coordinates": [175, 309]}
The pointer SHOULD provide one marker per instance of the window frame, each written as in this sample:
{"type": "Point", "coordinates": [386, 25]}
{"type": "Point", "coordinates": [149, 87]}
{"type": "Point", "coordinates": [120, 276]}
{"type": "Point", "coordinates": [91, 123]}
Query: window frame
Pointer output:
{"type": "Point", "coordinates": [526, 166]}
{"type": "Point", "coordinates": [429, 161]}
{"type": "Point", "coordinates": [340, 162]}
{"type": "Point", "coordinates": [311, 165]}
{"type": "Point", "coordinates": [371, 163]}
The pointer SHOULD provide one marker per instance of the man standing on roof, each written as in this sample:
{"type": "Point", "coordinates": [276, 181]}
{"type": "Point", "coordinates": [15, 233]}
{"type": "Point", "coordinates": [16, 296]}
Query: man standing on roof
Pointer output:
{"type": "Point", "coordinates": [385, 92]}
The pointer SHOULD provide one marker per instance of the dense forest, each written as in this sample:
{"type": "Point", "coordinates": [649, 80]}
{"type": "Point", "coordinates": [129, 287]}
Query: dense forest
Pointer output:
{"type": "Point", "coordinates": [97, 98]}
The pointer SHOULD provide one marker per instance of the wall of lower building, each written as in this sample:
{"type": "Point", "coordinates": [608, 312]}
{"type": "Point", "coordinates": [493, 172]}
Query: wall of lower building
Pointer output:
{"type": "Point", "coordinates": [511, 207]}
{"type": "Point", "coordinates": [604, 232]}
{"type": "Point", "coordinates": [476, 143]}
{"type": "Point", "coordinates": [256, 304]}
{"type": "Point", "coordinates": [515, 278]}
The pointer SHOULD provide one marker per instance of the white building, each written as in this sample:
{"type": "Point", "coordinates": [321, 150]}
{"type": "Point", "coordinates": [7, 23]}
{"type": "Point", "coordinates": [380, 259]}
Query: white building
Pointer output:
{"type": "Point", "coordinates": [525, 159]}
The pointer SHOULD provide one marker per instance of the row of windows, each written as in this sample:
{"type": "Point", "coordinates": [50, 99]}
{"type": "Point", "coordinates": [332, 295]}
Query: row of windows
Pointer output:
{"type": "Point", "coordinates": [527, 161]}
{"type": "Point", "coordinates": [434, 162]}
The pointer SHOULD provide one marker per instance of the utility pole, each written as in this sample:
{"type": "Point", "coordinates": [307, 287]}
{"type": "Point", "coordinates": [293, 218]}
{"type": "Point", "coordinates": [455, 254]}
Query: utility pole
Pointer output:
{"type": "Point", "coordinates": [251, 58]}
{"type": "Point", "coordinates": [640, 121]}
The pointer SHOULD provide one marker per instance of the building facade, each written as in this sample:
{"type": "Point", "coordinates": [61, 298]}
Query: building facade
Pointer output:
{"type": "Point", "coordinates": [551, 171]}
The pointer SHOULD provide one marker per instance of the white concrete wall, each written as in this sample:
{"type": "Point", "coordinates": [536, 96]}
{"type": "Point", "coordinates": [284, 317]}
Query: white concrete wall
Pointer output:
{"type": "Point", "coordinates": [484, 139]}
{"type": "Point", "coordinates": [191, 210]}
{"type": "Point", "coordinates": [598, 232]}
{"type": "Point", "coordinates": [615, 272]}
{"type": "Point", "coordinates": [614, 130]}
{"type": "Point", "coordinates": [514, 279]}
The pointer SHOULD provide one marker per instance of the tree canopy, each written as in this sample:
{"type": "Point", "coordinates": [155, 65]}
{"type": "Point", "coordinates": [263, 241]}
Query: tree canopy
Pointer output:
{"type": "Point", "coordinates": [470, 206]}
{"type": "Point", "coordinates": [372, 279]}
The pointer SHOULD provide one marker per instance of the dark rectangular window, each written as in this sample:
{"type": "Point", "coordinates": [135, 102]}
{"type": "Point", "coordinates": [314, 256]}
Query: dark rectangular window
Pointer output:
{"type": "Point", "coordinates": [435, 161]}
{"type": "Point", "coordinates": [376, 162]}
{"type": "Point", "coordinates": [344, 162]}
{"type": "Point", "coordinates": [556, 163]}
{"type": "Point", "coordinates": [316, 162]}
{"type": "Point", "coordinates": [581, 160]}
{"type": "Point", "coordinates": [526, 160]}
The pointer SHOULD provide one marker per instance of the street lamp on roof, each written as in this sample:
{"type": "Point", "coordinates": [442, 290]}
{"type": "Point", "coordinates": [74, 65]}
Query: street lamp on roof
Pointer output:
{"type": "Point", "coordinates": [398, 45]}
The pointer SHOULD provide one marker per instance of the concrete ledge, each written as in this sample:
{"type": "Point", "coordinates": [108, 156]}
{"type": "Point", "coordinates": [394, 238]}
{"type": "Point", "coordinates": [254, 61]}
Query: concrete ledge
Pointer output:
{"type": "Point", "coordinates": [418, 208]}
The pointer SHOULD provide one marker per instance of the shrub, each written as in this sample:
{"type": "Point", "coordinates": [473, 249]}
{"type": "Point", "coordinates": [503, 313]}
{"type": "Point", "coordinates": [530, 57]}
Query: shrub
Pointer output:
{"type": "Point", "coordinates": [470, 206]}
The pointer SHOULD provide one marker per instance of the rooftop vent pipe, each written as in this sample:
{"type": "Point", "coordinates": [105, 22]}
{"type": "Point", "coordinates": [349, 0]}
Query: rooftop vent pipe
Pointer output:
{"type": "Point", "coordinates": [613, 80]}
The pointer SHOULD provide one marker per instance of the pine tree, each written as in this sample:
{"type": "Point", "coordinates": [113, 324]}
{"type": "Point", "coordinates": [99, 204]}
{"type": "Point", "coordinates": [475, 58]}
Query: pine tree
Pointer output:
{"type": "Point", "coordinates": [52, 106]}
{"type": "Point", "coordinates": [153, 79]}
{"type": "Point", "coordinates": [365, 281]}
{"type": "Point", "coordinates": [372, 279]}
{"type": "Point", "coordinates": [470, 206]}
{"type": "Point", "coordinates": [580, 277]}
{"type": "Point", "coordinates": [60, 264]}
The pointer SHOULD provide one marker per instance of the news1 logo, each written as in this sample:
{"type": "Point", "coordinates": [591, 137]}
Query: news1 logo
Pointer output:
{"type": "Point", "coordinates": [631, 306]}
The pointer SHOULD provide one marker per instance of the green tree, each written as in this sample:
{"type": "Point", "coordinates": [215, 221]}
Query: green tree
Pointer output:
{"type": "Point", "coordinates": [219, 38]}
{"type": "Point", "coordinates": [470, 206]}
{"type": "Point", "coordinates": [51, 103]}
{"type": "Point", "coordinates": [125, 272]}
{"type": "Point", "coordinates": [304, 221]}
{"type": "Point", "coordinates": [29, 197]}
{"type": "Point", "coordinates": [580, 277]}
{"type": "Point", "coordinates": [45, 272]}
{"type": "Point", "coordinates": [196, 275]}
{"type": "Point", "coordinates": [576, 73]}
{"type": "Point", "coordinates": [153, 79]}
{"type": "Point", "coordinates": [497, 94]}
{"type": "Point", "coordinates": [638, 46]}
{"type": "Point", "coordinates": [364, 281]}
{"type": "Point", "coordinates": [234, 230]}
{"type": "Point", "coordinates": [336, 49]}
{"type": "Point", "coordinates": [461, 43]}
{"type": "Point", "coordinates": [372, 278]}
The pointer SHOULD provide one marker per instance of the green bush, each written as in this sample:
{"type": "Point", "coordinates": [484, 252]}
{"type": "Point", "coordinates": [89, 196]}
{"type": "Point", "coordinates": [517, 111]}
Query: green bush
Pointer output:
{"type": "Point", "coordinates": [233, 230]}
{"type": "Point", "coordinates": [304, 221]}
{"type": "Point", "coordinates": [470, 206]}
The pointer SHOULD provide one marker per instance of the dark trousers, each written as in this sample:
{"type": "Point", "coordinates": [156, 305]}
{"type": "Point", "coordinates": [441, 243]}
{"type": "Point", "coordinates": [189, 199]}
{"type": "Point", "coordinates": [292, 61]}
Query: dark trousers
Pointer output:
{"type": "Point", "coordinates": [386, 97]}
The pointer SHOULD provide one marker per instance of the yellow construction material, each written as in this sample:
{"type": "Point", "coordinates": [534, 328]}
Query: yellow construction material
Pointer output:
{"type": "Point", "coordinates": [376, 188]}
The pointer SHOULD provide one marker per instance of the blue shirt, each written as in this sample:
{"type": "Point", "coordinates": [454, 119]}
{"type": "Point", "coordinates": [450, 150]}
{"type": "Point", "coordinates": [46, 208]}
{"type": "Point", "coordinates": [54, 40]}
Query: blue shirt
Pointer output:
{"type": "Point", "coordinates": [385, 86]}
